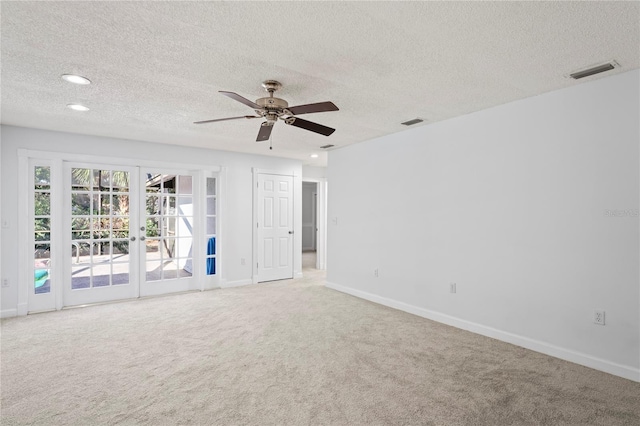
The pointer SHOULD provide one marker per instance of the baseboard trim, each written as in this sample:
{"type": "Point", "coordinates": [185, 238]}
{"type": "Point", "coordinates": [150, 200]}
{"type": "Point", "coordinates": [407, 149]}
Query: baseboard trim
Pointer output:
{"type": "Point", "coordinates": [7, 313]}
{"type": "Point", "coordinates": [297, 275]}
{"type": "Point", "coordinates": [238, 283]}
{"type": "Point", "coordinates": [624, 371]}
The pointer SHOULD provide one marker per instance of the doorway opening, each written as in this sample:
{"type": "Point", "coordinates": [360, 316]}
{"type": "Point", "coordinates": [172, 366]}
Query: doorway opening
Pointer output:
{"type": "Point", "coordinates": [314, 224]}
{"type": "Point", "coordinates": [309, 225]}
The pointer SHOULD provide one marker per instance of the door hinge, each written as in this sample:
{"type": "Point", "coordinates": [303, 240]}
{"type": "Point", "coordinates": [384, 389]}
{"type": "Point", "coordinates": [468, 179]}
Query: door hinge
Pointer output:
{"type": "Point", "coordinates": [256, 265]}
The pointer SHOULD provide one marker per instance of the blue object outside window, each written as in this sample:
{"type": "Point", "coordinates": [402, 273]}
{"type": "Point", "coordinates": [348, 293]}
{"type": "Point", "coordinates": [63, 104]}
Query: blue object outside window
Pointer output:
{"type": "Point", "coordinates": [211, 261]}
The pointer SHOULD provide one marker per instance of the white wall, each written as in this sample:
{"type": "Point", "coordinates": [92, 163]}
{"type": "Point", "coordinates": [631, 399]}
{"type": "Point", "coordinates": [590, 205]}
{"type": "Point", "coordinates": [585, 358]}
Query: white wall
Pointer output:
{"type": "Point", "coordinates": [236, 206]}
{"type": "Point", "coordinates": [510, 203]}
{"type": "Point", "coordinates": [313, 172]}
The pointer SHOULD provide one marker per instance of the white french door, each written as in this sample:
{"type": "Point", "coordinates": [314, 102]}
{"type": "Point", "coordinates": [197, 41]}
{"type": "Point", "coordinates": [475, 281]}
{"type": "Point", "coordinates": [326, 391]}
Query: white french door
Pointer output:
{"type": "Point", "coordinates": [130, 232]}
{"type": "Point", "coordinates": [100, 221]}
{"type": "Point", "coordinates": [275, 227]}
{"type": "Point", "coordinates": [167, 231]}
{"type": "Point", "coordinates": [97, 232]}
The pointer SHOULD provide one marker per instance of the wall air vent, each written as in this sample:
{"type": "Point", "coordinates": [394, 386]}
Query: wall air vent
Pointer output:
{"type": "Point", "coordinates": [594, 70]}
{"type": "Point", "coordinates": [412, 122]}
{"type": "Point", "coordinates": [327, 146]}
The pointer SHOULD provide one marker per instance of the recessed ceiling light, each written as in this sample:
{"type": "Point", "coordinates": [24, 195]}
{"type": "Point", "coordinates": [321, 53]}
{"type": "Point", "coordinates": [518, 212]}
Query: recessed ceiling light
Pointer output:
{"type": "Point", "coordinates": [314, 156]}
{"type": "Point", "coordinates": [76, 79]}
{"type": "Point", "coordinates": [77, 107]}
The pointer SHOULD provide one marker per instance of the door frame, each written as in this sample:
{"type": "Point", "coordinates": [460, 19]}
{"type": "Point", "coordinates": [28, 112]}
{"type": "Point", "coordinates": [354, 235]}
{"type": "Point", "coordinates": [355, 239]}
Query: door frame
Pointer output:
{"type": "Point", "coordinates": [56, 160]}
{"type": "Point", "coordinates": [321, 221]}
{"type": "Point", "coordinates": [296, 222]}
{"type": "Point", "coordinates": [314, 218]}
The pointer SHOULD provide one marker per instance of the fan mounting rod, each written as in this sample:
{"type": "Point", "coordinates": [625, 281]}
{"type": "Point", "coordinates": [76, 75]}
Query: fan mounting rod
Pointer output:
{"type": "Point", "coordinates": [271, 86]}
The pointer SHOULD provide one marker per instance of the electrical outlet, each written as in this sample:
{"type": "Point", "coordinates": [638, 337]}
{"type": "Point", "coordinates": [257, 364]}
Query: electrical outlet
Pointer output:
{"type": "Point", "coordinates": [375, 273]}
{"type": "Point", "coordinates": [5, 282]}
{"type": "Point", "coordinates": [452, 287]}
{"type": "Point", "coordinates": [598, 317]}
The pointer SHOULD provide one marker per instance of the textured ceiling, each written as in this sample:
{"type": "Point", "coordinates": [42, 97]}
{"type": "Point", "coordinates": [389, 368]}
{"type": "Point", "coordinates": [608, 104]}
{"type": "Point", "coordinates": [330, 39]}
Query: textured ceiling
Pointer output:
{"type": "Point", "coordinates": [157, 66]}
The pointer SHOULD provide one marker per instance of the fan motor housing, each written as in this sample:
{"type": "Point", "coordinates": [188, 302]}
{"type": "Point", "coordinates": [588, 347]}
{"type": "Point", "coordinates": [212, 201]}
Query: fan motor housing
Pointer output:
{"type": "Point", "coordinates": [272, 103]}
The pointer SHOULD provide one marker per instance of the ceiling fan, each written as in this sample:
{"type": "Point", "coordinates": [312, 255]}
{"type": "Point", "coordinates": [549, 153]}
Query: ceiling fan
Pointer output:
{"type": "Point", "coordinates": [272, 109]}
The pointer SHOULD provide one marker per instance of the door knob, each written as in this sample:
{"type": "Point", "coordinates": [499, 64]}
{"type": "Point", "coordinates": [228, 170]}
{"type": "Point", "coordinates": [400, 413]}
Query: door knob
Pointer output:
{"type": "Point", "coordinates": [290, 232]}
{"type": "Point", "coordinates": [142, 238]}
{"type": "Point", "coordinates": [133, 238]}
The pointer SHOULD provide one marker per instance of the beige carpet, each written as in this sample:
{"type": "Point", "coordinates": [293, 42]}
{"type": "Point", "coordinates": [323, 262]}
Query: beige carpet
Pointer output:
{"type": "Point", "coordinates": [286, 353]}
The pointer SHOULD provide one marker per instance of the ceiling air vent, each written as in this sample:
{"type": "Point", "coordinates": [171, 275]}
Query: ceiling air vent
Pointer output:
{"type": "Point", "coordinates": [594, 70]}
{"type": "Point", "coordinates": [412, 122]}
{"type": "Point", "coordinates": [327, 146]}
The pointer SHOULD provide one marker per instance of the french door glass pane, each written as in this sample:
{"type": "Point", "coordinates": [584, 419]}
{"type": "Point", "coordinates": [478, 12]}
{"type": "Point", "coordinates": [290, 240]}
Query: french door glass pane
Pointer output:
{"type": "Point", "coordinates": [211, 186]}
{"type": "Point", "coordinates": [211, 205]}
{"type": "Point", "coordinates": [185, 185]}
{"type": "Point", "coordinates": [80, 179]}
{"type": "Point", "coordinates": [153, 271]}
{"type": "Point", "coordinates": [211, 225]}
{"type": "Point", "coordinates": [42, 268]}
{"type": "Point", "coordinates": [80, 203]}
{"type": "Point", "coordinates": [80, 277]}
{"type": "Point", "coordinates": [120, 251]}
{"type": "Point", "coordinates": [119, 274]}
{"type": "Point", "coordinates": [42, 203]}
{"type": "Point", "coordinates": [42, 178]}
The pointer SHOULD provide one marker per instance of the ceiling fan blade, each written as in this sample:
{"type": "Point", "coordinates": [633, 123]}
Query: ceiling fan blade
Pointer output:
{"type": "Point", "coordinates": [265, 132]}
{"type": "Point", "coordinates": [309, 108]}
{"type": "Point", "coordinates": [225, 119]}
{"type": "Point", "coordinates": [308, 125]}
{"type": "Point", "coordinates": [239, 98]}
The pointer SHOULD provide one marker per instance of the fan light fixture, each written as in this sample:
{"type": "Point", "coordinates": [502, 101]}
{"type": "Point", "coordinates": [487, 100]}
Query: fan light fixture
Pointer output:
{"type": "Point", "coordinates": [75, 79]}
{"type": "Point", "coordinates": [77, 107]}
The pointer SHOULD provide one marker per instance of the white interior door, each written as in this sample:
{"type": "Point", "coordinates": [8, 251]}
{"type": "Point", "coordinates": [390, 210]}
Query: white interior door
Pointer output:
{"type": "Point", "coordinates": [275, 227]}
{"type": "Point", "coordinates": [100, 216]}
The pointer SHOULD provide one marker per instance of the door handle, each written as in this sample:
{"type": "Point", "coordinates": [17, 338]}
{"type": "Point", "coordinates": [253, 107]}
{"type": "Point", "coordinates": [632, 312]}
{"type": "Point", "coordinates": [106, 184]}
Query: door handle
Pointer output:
{"type": "Point", "coordinates": [133, 238]}
{"type": "Point", "coordinates": [290, 232]}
